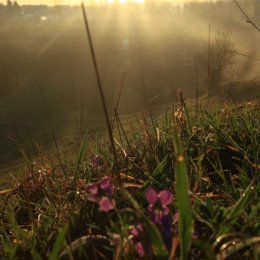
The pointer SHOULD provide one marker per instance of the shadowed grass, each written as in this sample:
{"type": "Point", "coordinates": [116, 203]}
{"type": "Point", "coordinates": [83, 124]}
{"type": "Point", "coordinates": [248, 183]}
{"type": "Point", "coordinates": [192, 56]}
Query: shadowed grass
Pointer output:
{"type": "Point", "coordinates": [211, 169]}
{"type": "Point", "coordinates": [183, 203]}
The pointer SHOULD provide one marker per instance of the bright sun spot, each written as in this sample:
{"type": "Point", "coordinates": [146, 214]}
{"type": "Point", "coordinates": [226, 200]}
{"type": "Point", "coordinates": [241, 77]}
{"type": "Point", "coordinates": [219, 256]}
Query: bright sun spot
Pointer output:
{"type": "Point", "coordinates": [119, 1]}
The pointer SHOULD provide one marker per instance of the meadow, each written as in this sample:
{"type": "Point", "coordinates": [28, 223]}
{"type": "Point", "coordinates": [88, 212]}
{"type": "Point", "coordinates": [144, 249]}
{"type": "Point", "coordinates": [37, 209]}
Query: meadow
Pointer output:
{"type": "Point", "coordinates": [184, 186]}
{"type": "Point", "coordinates": [174, 179]}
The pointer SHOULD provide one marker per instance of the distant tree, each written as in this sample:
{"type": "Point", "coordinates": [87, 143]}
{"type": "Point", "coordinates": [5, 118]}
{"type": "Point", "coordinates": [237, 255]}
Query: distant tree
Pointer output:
{"type": "Point", "coordinates": [9, 5]}
{"type": "Point", "coordinates": [13, 8]}
{"type": "Point", "coordinates": [221, 57]}
{"type": "Point", "coordinates": [16, 8]}
{"type": "Point", "coordinates": [15, 4]}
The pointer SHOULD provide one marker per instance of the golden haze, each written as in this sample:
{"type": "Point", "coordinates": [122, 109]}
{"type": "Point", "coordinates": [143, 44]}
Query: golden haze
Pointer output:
{"type": "Point", "coordinates": [73, 2]}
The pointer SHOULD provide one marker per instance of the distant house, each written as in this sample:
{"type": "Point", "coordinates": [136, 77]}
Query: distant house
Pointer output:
{"type": "Point", "coordinates": [62, 9]}
{"type": "Point", "coordinates": [35, 10]}
{"type": "Point", "coordinates": [12, 10]}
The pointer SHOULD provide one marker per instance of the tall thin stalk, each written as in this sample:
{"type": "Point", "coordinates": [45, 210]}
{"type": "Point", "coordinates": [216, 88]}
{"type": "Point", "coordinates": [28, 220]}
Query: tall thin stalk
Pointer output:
{"type": "Point", "coordinates": [73, 90]}
{"type": "Point", "coordinates": [120, 92]}
{"type": "Point", "coordinates": [100, 89]}
{"type": "Point", "coordinates": [81, 111]}
{"type": "Point", "coordinates": [248, 19]}
{"type": "Point", "coordinates": [118, 99]}
{"type": "Point", "coordinates": [196, 87]}
{"type": "Point", "coordinates": [144, 88]}
{"type": "Point", "coordinates": [52, 130]}
{"type": "Point", "coordinates": [209, 53]}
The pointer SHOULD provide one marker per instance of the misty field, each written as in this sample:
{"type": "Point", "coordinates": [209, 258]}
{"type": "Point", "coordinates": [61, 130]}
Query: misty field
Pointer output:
{"type": "Point", "coordinates": [130, 131]}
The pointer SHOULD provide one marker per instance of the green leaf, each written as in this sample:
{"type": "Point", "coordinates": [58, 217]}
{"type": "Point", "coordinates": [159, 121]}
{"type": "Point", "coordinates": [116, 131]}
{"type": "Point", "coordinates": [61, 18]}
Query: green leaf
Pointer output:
{"type": "Point", "coordinates": [157, 172]}
{"type": "Point", "coordinates": [157, 244]}
{"type": "Point", "coordinates": [58, 244]}
{"type": "Point", "coordinates": [183, 203]}
{"type": "Point", "coordinates": [186, 114]}
{"type": "Point", "coordinates": [7, 246]}
{"type": "Point", "coordinates": [237, 210]}
{"type": "Point", "coordinates": [81, 152]}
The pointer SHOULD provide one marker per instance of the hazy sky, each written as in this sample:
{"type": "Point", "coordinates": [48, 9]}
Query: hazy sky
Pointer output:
{"type": "Point", "coordinates": [53, 2]}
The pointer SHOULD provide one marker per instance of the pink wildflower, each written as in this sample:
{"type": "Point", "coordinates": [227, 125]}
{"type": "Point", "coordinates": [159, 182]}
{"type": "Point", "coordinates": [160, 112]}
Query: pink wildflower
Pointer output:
{"type": "Point", "coordinates": [101, 192]}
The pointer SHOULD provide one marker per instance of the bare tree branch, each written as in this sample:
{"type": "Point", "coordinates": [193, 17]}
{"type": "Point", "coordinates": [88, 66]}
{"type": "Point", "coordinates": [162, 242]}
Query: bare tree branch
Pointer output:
{"type": "Point", "coordinates": [248, 19]}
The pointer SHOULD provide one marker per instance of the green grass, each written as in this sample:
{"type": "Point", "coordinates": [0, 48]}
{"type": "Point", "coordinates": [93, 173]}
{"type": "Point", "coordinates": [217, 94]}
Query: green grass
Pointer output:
{"type": "Point", "coordinates": [210, 162]}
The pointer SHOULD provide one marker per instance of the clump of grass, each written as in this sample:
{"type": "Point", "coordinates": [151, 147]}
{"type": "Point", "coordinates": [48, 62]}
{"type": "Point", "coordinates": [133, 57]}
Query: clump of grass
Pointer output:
{"type": "Point", "coordinates": [208, 165]}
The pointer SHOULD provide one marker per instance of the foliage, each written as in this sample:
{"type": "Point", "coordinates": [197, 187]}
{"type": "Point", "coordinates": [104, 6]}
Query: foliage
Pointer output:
{"type": "Point", "coordinates": [221, 57]}
{"type": "Point", "coordinates": [189, 189]}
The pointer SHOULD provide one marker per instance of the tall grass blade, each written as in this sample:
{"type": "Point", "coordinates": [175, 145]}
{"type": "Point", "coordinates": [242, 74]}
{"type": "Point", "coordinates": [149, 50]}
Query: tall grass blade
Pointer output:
{"type": "Point", "coordinates": [24, 235]}
{"type": "Point", "coordinates": [237, 210]}
{"type": "Point", "coordinates": [58, 244]}
{"type": "Point", "coordinates": [157, 172]}
{"type": "Point", "coordinates": [81, 152]}
{"type": "Point", "coordinates": [183, 203]}
{"type": "Point", "coordinates": [157, 244]}
{"type": "Point", "coordinates": [118, 99]}
{"type": "Point", "coordinates": [183, 104]}
{"type": "Point", "coordinates": [100, 89]}
{"type": "Point", "coordinates": [52, 129]}
{"type": "Point", "coordinates": [8, 248]}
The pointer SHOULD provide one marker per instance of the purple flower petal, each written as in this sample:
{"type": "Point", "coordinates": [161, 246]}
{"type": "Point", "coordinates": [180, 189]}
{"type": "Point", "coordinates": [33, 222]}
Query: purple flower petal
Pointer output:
{"type": "Point", "coordinates": [139, 249]}
{"type": "Point", "coordinates": [151, 208]}
{"type": "Point", "coordinates": [166, 230]}
{"type": "Point", "coordinates": [165, 211]}
{"type": "Point", "coordinates": [107, 185]}
{"type": "Point", "coordinates": [92, 188]}
{"type": "Point", "coordinates": [151, 195]}
{"type": "Point", "coordinates": [106, 204]}
{"type": "Point", "coordinates": [104, 182]}
{"type": "Point", "coordinates": [157, 217]}
{"type": "Point", "coordinates": [137, 230]}
{"type": "Point", "coordinates": [140, 227]}
{"type": "Point", "coordinates": [134, 232]}
{"type": "Point", "coordinates": [93, 198]}
{"type": "Point", "coordinates": [165, 197]}
{"type": "Point", "coordinates": [110, 189]}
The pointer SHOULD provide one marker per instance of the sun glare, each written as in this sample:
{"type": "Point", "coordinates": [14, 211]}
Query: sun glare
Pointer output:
{"type": "Point", "coordinates": [76, 2]}
{"type": "Point", "coordinates": [119, 1]}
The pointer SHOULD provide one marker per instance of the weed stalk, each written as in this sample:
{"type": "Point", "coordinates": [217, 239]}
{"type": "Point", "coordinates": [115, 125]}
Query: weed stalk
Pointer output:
{"type": "Point", "coordinates": [100, 88]}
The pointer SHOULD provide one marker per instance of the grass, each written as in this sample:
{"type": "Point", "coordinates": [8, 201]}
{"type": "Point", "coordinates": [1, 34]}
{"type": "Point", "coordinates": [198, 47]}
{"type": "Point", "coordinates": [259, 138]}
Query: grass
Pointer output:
{"type": "Point", "coordinates": [209, 162]}
{"type": "Point", "coordinates": [178, 186]}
